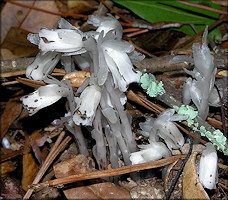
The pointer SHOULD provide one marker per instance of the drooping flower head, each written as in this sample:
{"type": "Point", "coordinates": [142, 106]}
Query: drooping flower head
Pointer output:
{"type": "Point", "coordinates": [106, 24]}
{"type": "Point", "coordinates": [119, 63]}
{"type": "Point", "coordinates": [42, 66]}
{"type": "Point", "coordinates": [87, 105]}
{"type": "Point", "coordinates": [68, 39]}
{"type": "Point", "coordinates": [43, 97]}
{"type": "Point", "coordinates": [168, 130]}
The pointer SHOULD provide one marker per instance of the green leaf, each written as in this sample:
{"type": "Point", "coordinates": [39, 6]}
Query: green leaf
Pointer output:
{"type": "Point", "coordinates": [156, 11]}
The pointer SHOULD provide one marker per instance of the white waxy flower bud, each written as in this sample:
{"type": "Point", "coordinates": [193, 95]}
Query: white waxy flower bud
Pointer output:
{"type": "Point", "coordinates": [208, 167]}
{"type": "Point", "coordinates": [60, 40]}
{"type": "Point", "coordinates": [42, 66]}
{"type": "Point", "coordinates": [87, 105]}
{"type": "Point", "coordinates": [43, 97]}
{"type": "Point", "coordinates": [151, 152]}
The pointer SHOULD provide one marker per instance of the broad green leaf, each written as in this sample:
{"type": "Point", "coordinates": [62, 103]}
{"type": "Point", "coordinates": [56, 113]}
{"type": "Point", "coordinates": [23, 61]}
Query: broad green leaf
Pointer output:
{"type": "Point", "coordinates": [155, 11]}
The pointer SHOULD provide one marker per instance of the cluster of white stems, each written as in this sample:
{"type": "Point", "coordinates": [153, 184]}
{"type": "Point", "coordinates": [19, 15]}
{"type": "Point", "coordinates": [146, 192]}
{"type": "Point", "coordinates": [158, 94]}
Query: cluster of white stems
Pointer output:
{"type": "Point", "coordinates": [99, 101]}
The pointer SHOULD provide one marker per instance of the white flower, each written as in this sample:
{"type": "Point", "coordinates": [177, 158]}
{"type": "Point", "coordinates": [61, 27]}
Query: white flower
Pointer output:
{"type": "Point", "coordinates": [150, 152]}
{"type": "Point", "coordinates": [106, 24]}
{"type": "Point", "coordinates": [42, 66]}
{"type": "Point", "coordinates": [43, 97]}
{"type": "Point", "coordinates": [203, 60]}
{"type": "Point", "coordinates": [119, 64]}
{"type": "Point", "coordinates": [87, 105]}
{"type": "Point", "coordinates": [168, 130]}
{"type": "Point", "coordinates": [60, 40]}
{"type": "Point", "coordinates": [208, 167]}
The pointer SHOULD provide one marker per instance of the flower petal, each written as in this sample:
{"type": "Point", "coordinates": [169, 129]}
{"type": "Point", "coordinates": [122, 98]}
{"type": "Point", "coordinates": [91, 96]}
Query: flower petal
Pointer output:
{"type": "Point", "coordinates": [42, 65]}
{"type": "Point", "coordinates": [87, 105]}
{"type": "Point", "coordinates": [60, 40]}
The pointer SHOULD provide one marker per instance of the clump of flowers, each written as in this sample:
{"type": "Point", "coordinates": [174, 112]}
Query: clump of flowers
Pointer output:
{"type": "Point", "coordinates": [164, 128]}
{"type": "Point", "coordinates": [200, 86]}
{"type": "Point", "coordinates": [99, 101]}
{"type": "Point", "coordinates": [208, 167]}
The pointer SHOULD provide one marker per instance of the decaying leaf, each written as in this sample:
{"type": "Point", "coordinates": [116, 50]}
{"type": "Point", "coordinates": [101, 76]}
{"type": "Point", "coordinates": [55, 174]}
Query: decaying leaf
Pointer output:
{"type": "Point", "coordinates": [102, 190]}
{"type": "Point", "coordinates": [77, 78]}
{"type": "Point", "coordinates": [192, 188]}
{"type": "Point", "coordinates": [17, 44]}
{"type": "Point", "coordinates": [35, 144]}
{"type": "Point", "coordinates": [6, 167]}
{"type": "Point", "coordinates": [11, 190]}
{"type": "Point", "coordinates": [28, 19]}
{"type": "Point", "coordinates": [29, 161]}
{"type": "Point", "coordinates": [47, 193]}
{"type": "Point", "coordinates": [79, 7]}
{"type": "Point", "coordinates": [11, 112]}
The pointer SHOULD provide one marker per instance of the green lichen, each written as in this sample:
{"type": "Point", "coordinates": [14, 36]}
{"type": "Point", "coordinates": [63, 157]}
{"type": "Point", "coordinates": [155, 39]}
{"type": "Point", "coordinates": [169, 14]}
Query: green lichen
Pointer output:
{"type": "Point", "coordinates": [152, 86]}
{"type": "Point", "coordinates": [217, 138]}
{"type": "Point", "coordinates": [188, 110]}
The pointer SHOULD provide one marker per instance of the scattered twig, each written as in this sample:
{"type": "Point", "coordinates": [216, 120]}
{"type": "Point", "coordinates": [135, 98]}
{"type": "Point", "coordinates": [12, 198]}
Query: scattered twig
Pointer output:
{"type": "Point", "coordinates": [30, 83]}
{"type": "Point", "coordinates": [226, 188]}
{"type": "Point", "coordinates": [179, 171]}
{"type": "Point", "coordinates": [200, 33]}
{"type": "Point", "coordinates": [222, 112]}
{"type": "Point", "coordinates": [142, 50]}
{"type": "Point", "coordinates": [137, 33]}
{"type": "Point", "coordinates": [214, 122]}
{"type": "Point", "coordinates": [126, 30]}
{"type": "Point", "coordinates": [22, 72]}
{"type": "Point", "coordinates": [109, 172]}
{"type": "Point", "coordinates": [221, 186]}
{"type": "Point", "coordinates": [167, 175]}
{"type": "Point", "coordinates": [203, 7]}
{"type": "Point", "coordinates": [158, 109]}
{"type": "Point", "coordinates": [113, 11]}
{"type": "Point", "coordinates": [47, 11]}
{"type": "Point", "coordinates": [9, 83]}
{"type": "Point", "coordinates": [58, 147]}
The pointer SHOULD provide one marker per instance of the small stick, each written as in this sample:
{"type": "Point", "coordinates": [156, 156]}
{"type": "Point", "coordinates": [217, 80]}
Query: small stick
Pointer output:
{"type": "Point", "coordinates": [180, 171]}
{"type": "Point", "coordinates": [158, 109]}
{"type": "Point", "coordinates": [167, 174]}
{"type": "Point", "coordinates": [223, 186]}
{"type": "Point", "coordinates": [110, 172]}
{"type": "Point", "coordinates": [9, 83]}
{"type": "Point", "coordinates": [142, 50]}
{"type": "Point", "coordinates": [222, 112]}
{"type": "Point", "coordinates": [131, 30]}
{"type": "Point", "coordinates": [22, 72]}
{"type": "Point", "coordinates": [203, 7]}
{"type": "Point", "coordinates": [113, 11]}
{"type": "Point", "coordinates": [137, 33]}
{"type": "Point", "coordinates": [45, 165]}
{"type": "Point", "coordinates": [47, 11]}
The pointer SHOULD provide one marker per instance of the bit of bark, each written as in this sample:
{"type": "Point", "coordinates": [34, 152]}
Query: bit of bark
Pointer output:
{"type": "Point", "coordinates": [51, 156]}
{"type": "Point", "coordinates": [11, 112]}
{"type": "Point", "coordinates": [192, 188]}
{"type": "Point", "coordinates": [161, 64]}
{"type": "Point", "coordinates": [109, 172]}
{"type": "Point", "coordinates": [15, 64]}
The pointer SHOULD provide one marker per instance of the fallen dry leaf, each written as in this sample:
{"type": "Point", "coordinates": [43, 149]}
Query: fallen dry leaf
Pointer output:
{"type": "Point", "coordinates": [78, 165]}
{"type": "Point", "coordinates": [6, 167]}
{"type": "Point", "coordinates": [192, 188]}
{"type": "Point", "coordinates": [11, 190]}
{"type": "Point", "coordinates": [29, 161]}
{"type": "Point", "coordinates": [17, 45]}
{"type": "Point", "coordinates": [11, 112]}
{"type": "Point", "coordinates": [80, 7]}
{"type": "Point", "coordinates": [28, 19]}
{"type": "Point", "coordinates": [7, 156]}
